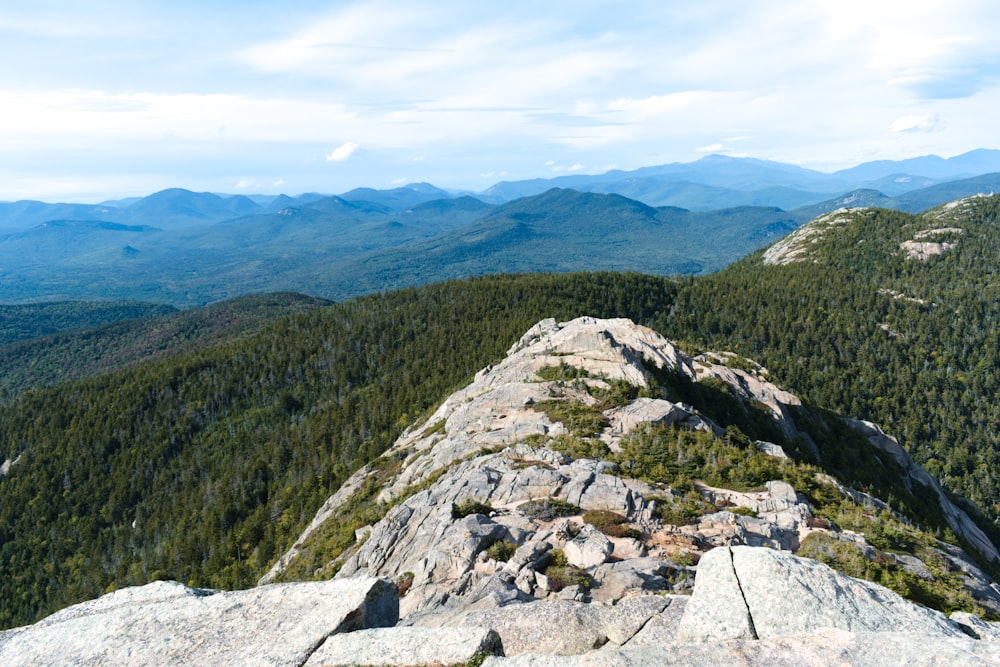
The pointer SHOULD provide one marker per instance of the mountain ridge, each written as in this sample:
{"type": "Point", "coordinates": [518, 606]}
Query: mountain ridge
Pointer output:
{"type": "Point", "coordinates": [560, 504]}
{"type": "Point", "coordinates": [732, 174]}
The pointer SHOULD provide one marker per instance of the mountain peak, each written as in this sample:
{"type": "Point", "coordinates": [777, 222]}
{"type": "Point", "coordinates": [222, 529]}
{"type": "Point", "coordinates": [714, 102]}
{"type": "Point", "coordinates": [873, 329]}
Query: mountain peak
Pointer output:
{"type": "Point", "coordinates": [556, 430]}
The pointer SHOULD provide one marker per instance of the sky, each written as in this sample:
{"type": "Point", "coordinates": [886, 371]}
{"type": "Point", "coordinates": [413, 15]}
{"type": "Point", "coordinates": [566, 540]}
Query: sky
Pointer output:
{"type": "Point", "coordinates": [102, 100]}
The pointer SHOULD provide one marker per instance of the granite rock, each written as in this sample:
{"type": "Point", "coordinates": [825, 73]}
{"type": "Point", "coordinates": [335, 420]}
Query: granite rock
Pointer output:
{"type": "Point", "coordinates": [166, 623]}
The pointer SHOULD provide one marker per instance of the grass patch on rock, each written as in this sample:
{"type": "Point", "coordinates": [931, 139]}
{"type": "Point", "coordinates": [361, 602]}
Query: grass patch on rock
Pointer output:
{"type": "Point", "coordinates": [548, 509]}
{"type": "Point", "coordinates": [610, 523]}
{"type": "Point", "coordinates": [561, 574]}
{"type": "Point", "coordinates": [581, 420]}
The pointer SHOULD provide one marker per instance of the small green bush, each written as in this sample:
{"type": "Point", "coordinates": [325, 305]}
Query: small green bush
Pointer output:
{"type": "Point", "coordinates": [561, 577]}
{"type": "Point", "coordinates": [548, 509]}
{"type": "Point", "coordinates": [744, 511]}
{"type": "Point", "coordinates": [557, 558]}
{"type": "Point", "coordinates": [501, 551]}
{"type": "Point", "coordinates": [683, 558]}
{"type": "Point", "coordinates": [561, 372]}
{"type": "Point", "coordinates": [682, 512]}
{"type": "Point", "coordinates": [467, 507]}
{"type": "Point", "coordinates": [561, 574]}
{"type": "Point", "coordinates": [576, 447]}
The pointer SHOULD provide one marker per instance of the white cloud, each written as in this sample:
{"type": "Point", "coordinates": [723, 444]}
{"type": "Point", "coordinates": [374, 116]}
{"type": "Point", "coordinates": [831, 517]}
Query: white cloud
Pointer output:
{"type": "Point", "coordinates": [449, 90]}
{"type": "Point", "coordinates": [921, 123]}
{"type": "Point", "coordinates": [95, 117]}
{"type": "Point", "coordinates": [342, 152]}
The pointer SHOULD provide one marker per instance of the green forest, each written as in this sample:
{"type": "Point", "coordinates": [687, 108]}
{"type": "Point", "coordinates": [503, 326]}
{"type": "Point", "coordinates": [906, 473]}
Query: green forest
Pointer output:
{"type": "Point", "coordinates": [204, 464]}
{"type": "Point", "coordinates": [911, 345]}
{"type": "Point", "coordinates": [43, 360]}
{"type": "Point", "coordinates": [38, 319]}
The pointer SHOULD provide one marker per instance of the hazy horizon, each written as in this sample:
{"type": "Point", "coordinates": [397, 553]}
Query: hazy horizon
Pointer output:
{"type": "Point", "coordinates": [110, 101]}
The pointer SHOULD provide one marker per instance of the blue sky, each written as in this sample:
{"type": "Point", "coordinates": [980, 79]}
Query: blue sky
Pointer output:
{"type": "Point", "coordinates": [108, 99]}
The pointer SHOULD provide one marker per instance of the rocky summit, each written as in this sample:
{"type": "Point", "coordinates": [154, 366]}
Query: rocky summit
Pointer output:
{"type": "Point", "coordinates": [510, 527]}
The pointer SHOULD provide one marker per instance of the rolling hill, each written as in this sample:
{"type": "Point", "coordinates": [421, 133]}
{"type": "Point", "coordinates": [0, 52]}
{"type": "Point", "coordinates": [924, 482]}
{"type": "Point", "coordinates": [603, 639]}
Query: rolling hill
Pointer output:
{"type": "Point", "coordinates": [335, 248]}
{"type": "Point", "coordinates": [130, 335]}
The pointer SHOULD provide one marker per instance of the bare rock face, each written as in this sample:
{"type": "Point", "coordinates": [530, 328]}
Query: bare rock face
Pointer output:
{"type": "Point", "coordinates": [166, 623]}
{"type": "Point", "coordinates": [405, 646]}
{"type": "Point", "coordinates": [959, 520]}
{"type": "Point", "coordinates": [743, 592]}
{"type": "Point", "coordinates": [819, 649]}
{"type": "Point", "coordinates": [977, 627]}
{"type": "Point", "coordinates": [558, 627]}
{"type": "Point", "coordinates": [923, 250]}
{"type": "Point", "coordinates": [588, 549]}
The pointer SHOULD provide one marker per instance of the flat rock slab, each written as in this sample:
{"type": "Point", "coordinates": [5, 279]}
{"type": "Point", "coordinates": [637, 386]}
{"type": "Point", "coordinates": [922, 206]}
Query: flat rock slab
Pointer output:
{"type": "Point", "coordinates": [661, 630]}
{"type": "Point", "coordinates": [405, 646]}
{"type": "Point", "coordinates": [167, 623]}
{"type": "Point", "coordinates": [560, 626]}
{"type": "Point", "coordinates": [752, 592]}
{"type": "Point", "coordinates": [828, 647]}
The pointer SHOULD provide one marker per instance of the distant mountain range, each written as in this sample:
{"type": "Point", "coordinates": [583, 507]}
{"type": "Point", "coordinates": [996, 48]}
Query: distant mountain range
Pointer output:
{"type": "Point", "coordinates": [186, 248]}
{"type": "Point", "coordinates": [719, 181]}
{"type": "Point", "coordinates": [711, 183]}
{"type": "Point", "coordinates": [335, 248]}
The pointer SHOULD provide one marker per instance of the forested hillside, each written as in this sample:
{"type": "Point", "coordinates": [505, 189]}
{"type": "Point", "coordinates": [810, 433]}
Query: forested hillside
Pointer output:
{"type": "Point", "coordinates": [40, 319]}
{"type": "Point", "coordinates": [72, 355]}
{"type": "Point", "coordinates": [857, 327]}
{"type": "Point", "coordinates": [203, 467]}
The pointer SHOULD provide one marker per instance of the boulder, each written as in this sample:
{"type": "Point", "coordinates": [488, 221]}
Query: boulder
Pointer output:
{"type": "Point", "coordinates": [747, 592]}
{"type": "Point", "coordinates": [661, 630]}
{"type": "Point", "coordinates": [557, 627]}
{"type": "Point", "coordinates": [625, 619]}
{"type": "Point", "coordinates": [718, 610]}
{"type": "Point", "coordinates": [588, 549]}
{"type": "Point", "coordinates": [613, 580]}
{"type": "Point", "coordinates": [166, 623]}
{"type": "Point", "coordinates": [643, 410]}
